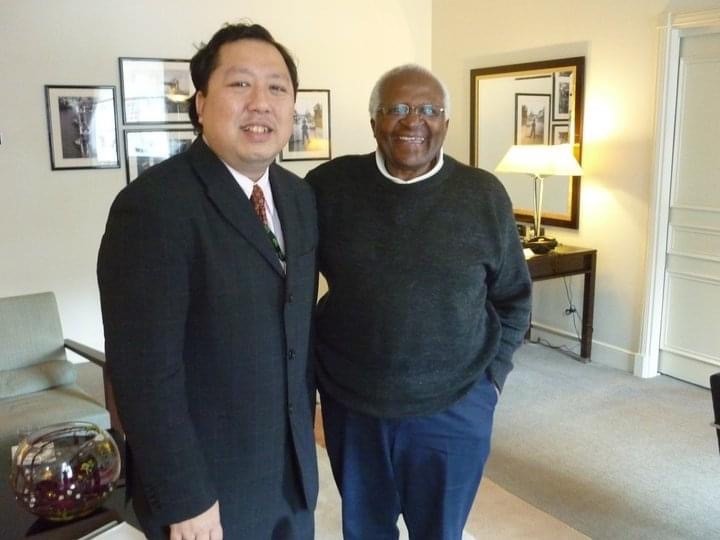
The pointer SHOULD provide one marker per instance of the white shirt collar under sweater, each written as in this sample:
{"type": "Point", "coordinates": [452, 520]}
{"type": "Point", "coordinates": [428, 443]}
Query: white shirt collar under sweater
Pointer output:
{"type": "Point", "coordinates": [380, 160]}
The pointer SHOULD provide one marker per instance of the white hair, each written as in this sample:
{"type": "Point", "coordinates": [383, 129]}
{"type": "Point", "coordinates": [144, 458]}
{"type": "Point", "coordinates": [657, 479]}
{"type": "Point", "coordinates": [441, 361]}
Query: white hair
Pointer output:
{"type": "Point", "coordinates": [405, 68]}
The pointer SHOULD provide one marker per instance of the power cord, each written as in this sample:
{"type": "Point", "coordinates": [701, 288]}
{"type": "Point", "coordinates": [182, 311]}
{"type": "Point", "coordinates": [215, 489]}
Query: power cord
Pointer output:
{"type": "Point", "coordinates": [565, 349]}
{"type": "Point", "coordinates": [569, 310]}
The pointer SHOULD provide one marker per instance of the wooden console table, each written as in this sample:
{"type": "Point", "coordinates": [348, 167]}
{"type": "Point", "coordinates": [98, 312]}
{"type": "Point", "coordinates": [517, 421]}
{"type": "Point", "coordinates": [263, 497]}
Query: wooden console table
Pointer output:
{"type": "Point", "coordinates": [570, 261]}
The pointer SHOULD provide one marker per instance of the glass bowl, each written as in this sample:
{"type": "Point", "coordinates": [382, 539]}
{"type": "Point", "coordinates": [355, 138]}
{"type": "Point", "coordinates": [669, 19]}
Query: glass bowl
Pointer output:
{"type": "Point", "coordinates": [64, 471]}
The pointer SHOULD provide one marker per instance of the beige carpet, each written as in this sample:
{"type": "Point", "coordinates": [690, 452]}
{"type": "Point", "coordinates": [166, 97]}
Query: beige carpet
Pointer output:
{"type": "Point", "coordinates": [496, 514]}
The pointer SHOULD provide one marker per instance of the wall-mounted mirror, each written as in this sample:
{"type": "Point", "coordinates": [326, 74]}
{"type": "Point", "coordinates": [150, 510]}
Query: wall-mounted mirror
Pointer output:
{"type": "Point", "coordinates": [532, 103]}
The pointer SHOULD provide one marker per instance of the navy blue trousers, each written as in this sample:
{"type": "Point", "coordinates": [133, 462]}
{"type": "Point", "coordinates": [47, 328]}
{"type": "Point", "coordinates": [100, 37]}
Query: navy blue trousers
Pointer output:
{"type": "Point", "coordinates": [427, 468]}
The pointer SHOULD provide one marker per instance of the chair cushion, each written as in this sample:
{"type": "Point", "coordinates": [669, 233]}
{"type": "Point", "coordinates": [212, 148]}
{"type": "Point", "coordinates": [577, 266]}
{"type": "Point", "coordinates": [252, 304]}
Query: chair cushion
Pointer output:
{"type": "Point", "coordinates": [26, 380]}
{"type": "Point", "coordinates": [32, 411]}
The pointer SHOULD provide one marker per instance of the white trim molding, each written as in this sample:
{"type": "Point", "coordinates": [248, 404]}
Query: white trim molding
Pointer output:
{"type": "Point", "coordinates": [690, 19]}
{"type": "Point", "coordinates": [602, 353]}
{"type": "Point", "coordinates": [707, 209]}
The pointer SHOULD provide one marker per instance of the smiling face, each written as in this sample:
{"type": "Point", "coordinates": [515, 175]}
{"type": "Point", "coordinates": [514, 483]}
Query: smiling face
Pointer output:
{"type": "Point", "coordinates": [247, 111]}
{"type": "Point", "coordinates": [410, 145]}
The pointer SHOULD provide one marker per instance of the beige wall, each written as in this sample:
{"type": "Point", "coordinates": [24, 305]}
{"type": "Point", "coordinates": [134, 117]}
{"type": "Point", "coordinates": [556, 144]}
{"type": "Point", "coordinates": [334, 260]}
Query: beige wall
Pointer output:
{"type": "Point", "coordinates": [51, 221]}
{"type": "Point", "coordinates": [619, 40]}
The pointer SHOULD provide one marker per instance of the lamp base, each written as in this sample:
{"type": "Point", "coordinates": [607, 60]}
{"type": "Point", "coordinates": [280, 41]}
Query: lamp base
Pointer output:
{"type": "Point", "coordinates": [540, 244]}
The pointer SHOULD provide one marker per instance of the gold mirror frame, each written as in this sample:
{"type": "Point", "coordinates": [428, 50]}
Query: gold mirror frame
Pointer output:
{"type": "Point", "coordinates": [524, 80]}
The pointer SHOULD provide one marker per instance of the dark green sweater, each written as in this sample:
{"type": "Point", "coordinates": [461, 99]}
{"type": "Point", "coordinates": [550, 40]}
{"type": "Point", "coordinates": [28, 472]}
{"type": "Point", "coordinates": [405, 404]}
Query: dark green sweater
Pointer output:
{"type": "Point", "coordinates": [428, 286]}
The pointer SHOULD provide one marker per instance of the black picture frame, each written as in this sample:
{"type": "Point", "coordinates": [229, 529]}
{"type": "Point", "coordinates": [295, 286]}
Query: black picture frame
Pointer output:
{"type": "Point", "coordinates": [562, 94]}
{"type": "Point", "coordinates": [310, 139]}
{"type": "Point", "coordinates": [155, 90]}
{"type": "Point", "coordinates": [147, 147]}
{"type": "Point", "coordinates": [532, 114]}
{"type": "Point", "coordinates": [560, 134]}
{"type": "Point", "coordinates": [82, 127]}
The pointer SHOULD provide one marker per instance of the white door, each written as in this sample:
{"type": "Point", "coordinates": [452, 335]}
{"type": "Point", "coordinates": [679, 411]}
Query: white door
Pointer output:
{"type": "Point", "coordinates": [690, 331]}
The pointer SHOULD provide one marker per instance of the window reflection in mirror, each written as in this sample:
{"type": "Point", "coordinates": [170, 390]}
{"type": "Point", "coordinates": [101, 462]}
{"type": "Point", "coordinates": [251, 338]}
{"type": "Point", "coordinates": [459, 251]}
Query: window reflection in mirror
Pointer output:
{"type": "Point", "coordinates": [531, 103]}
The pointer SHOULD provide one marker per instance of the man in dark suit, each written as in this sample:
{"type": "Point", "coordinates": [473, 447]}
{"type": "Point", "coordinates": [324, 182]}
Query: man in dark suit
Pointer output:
{"type": "Point", "coordinates": [207, 283]}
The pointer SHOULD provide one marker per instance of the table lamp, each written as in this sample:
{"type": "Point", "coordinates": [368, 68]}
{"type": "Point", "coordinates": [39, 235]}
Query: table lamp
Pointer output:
{"type": "Point", "coordinates": [178, 99]}
{"type": "Point", "coordinates": [540, 161]}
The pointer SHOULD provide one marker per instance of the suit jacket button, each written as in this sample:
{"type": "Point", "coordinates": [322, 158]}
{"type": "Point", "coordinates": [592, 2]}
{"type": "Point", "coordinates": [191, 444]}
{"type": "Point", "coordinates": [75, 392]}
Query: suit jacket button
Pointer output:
{"type": "Point", "coordinates": [291, 354]}
{"type": "Point", "coordinates": [290, 298]}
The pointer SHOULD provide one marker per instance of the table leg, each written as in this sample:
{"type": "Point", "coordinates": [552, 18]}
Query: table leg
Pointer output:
{"type": "Point", "coordinates": [588, 309]}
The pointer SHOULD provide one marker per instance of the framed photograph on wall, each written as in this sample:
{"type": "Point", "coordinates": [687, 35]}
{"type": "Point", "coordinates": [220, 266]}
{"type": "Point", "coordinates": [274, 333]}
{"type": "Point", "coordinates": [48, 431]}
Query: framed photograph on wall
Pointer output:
{"type": "Point", "coordinates": [147, 147]}
{"type": "Point", "coordinates": [310, 139]}
{"type": "Point", "coordinates": [560, 134]}
{"type": "Point", "coordinates": [561, 95]}
{"type": "Point", "coordinates": [532, 114]}
{"type": "Point", "coordinates": [81, 127]}
{"type": "Point", "coordinates": [155, 91]}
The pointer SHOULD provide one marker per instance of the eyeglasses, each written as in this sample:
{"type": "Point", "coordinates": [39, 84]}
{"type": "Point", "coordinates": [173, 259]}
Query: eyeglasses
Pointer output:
{"type": "Point", "coordinates": [401, 110]}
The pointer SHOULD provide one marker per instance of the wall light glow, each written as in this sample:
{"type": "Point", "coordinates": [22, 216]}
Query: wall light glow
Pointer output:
{"type": "Point", "coordinates": [600, 119]}
{"type": "Point", "coordinates": [597, 203]}
{"type": "Point", "coordinates": [596, 196]}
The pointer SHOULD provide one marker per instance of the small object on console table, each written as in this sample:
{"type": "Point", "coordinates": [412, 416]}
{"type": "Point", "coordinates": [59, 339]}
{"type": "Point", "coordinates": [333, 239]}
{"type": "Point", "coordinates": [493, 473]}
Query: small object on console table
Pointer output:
{"type": "Point", "coordinates": [540, 244]}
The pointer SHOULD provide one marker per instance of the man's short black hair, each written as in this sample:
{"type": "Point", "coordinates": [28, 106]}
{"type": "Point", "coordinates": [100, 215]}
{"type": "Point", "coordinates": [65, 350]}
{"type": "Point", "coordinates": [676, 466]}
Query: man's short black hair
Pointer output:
{"type": "Point", "coordinates": [205, 60]}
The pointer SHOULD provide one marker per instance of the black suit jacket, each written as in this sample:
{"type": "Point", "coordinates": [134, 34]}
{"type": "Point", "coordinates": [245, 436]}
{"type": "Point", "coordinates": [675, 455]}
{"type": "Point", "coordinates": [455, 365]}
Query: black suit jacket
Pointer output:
{"type": "Point", "coordinates": [208, 342]}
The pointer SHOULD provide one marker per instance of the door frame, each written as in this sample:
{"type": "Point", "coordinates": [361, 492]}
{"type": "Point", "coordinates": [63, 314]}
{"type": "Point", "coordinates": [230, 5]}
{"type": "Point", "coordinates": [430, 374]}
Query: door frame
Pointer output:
{"type": "Point", "coordinates": [671, 30]}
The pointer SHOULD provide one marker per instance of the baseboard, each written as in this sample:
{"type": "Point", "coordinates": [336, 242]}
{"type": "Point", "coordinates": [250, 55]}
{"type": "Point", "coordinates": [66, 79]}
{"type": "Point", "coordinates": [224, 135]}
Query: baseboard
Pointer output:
{"type": "Point", "coordinates": [602, 353]}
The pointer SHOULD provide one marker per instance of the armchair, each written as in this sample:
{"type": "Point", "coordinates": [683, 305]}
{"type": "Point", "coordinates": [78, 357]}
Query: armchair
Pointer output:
{"type": "Point", "coordinates": [37, 382]}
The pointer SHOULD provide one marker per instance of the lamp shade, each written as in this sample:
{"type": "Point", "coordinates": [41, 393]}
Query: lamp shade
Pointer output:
{"type": "Point", "coordinates": [540, 160]}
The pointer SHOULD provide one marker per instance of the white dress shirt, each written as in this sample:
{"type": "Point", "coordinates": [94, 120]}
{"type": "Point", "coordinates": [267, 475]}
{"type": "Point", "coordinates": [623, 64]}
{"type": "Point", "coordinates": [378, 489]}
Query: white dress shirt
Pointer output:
{"type": "Point", "coordinates": [270, 211]}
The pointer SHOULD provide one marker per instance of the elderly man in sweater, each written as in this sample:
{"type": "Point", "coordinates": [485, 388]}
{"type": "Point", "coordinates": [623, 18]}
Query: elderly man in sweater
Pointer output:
{"type": "Point", "coordinates": [429, 296]}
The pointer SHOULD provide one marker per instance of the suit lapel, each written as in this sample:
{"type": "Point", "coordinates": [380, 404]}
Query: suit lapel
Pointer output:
{"type": "Point", "coordinates": [286, 206]}
{"type": "Point", "coordinates": [230, 200]}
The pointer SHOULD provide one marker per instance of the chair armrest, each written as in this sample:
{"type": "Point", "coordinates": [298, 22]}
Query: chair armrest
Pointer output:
{"type": "Point", "coordinates": [98, 358]}
{"type": "Point", "coordinates": [95, 356]}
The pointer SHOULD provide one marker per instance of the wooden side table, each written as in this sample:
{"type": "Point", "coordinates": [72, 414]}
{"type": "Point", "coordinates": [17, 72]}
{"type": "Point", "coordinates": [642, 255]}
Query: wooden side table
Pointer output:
{"type": "Point", "coordinates": [571, 261]}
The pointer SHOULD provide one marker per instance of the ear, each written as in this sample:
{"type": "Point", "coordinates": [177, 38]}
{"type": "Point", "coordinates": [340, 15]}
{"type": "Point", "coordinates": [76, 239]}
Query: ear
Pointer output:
{"type": "Point", "coordinates": [199, 104]}
{"type": "Point", "coordinates": [445, 129]}
{"type": "Point", "coordinates": [372, 125]}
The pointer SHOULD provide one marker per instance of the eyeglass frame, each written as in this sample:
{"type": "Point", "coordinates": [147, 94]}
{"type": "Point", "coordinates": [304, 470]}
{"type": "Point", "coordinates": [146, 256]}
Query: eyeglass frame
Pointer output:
{"type": "Point", "coordinates": [412, 109]}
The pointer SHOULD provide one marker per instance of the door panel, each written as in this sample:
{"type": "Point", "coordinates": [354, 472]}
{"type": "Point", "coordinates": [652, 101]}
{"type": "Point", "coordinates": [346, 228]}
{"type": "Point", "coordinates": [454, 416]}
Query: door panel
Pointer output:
{"type": "Point", "coordinates": [688, 329]}
{"type": "Point", "coordinates": [695, 241]}
{"type": "Point", "coordinates": [690, 340]}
